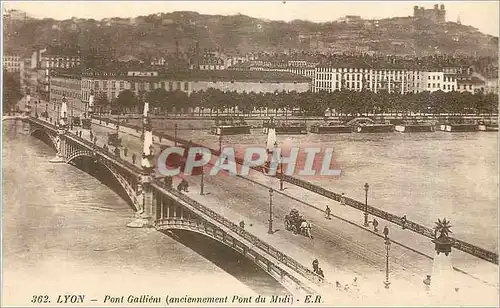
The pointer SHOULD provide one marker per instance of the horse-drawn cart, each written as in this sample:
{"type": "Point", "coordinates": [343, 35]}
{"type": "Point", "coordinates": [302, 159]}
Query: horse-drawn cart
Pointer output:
{"type": "Point", "coordinates": [297, 224]}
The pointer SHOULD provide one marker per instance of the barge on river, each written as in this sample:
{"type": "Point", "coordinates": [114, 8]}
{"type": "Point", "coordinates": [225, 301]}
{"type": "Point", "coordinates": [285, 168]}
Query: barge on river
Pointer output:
{"type": "Point", "coordinates": [284, 128]}
{"type": "Point", "coordinates": [331, 128]}
{"type": "Point", "coordinates": [487, 127]}
{"type": "Point", "coordinates": [459, 127]}
{"type": "Point", "coordinates": [374, 128]}
{"type": "Point", "coordinates": [230, 126]}
{"type": "Point", "coordinates": [414, 128]}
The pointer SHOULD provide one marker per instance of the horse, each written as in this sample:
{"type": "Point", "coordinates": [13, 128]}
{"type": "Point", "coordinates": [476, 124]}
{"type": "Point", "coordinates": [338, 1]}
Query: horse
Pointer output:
{"type": "Point", "coordinates": [306, 228]}
{"type": "Point", "coordinates": [288, 223]}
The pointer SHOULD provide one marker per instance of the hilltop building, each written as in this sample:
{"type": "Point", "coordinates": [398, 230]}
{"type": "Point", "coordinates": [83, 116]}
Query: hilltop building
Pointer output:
{"type": "Point", "coordinates": [436, 15]}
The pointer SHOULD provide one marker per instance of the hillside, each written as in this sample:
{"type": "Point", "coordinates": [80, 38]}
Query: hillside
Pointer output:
{"type": "Point", "coordinates": [155, 35]}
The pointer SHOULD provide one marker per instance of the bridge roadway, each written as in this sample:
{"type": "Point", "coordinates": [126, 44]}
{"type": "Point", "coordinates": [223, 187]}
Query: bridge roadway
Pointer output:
{"type": "Point", "coordinates": [344, 248]}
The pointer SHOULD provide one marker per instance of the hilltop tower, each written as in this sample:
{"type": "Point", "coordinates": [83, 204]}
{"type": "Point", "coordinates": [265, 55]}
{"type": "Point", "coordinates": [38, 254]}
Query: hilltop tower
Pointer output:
{"type": "Point", "coordinates": [436, 15]}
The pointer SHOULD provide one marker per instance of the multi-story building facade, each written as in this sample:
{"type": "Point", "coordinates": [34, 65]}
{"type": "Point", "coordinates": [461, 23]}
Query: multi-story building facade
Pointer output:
{"type": "Point", "coordinates": [392, 80]}
{"type": "Point", "coordinates": [11, 63]}
{"type": "Point", "coordinates": [69, 85]}
{"type": "Point", "coordinates": [434, 81]}
{"type": "Point", "coordinates": [111, 84]}
{"type": "Point", "coordinates": [42, 61]}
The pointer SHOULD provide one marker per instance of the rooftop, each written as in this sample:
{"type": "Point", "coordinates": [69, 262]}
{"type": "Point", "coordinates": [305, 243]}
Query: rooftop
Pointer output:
{"type": "Point", "coordinates": [198, 75]}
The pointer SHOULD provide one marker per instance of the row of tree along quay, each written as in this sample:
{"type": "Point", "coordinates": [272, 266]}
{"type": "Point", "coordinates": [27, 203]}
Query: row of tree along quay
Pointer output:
{"type": "Point", "coordinates": [343, 102]}
{"type": "Point", "coordinates": [11, 91]}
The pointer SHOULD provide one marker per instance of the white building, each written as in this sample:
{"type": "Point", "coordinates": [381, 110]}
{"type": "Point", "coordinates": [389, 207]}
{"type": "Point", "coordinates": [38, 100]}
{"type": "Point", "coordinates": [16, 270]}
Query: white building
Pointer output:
{"type": "Point", "coordinates": [11, 63]}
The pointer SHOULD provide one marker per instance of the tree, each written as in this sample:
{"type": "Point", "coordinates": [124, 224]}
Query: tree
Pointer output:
{"type": "Point", "coordinates": [101, 101]}
{"type": "Point", "coordinates": [126, 99]}
{"type": "Point", "coordinates": [11, 90]}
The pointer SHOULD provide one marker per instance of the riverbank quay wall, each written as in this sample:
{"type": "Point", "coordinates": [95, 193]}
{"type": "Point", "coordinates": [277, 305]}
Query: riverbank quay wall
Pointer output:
{"type": "Point", "coordinates": [399, 221]}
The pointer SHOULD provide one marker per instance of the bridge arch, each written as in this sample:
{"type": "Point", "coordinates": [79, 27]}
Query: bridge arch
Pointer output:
{"type": "Point", "coordinates": [202, 227]}
{"type": "Point", "coordinates": [127, 187]}
{"type": "Point", "coordinates": [53, 139]}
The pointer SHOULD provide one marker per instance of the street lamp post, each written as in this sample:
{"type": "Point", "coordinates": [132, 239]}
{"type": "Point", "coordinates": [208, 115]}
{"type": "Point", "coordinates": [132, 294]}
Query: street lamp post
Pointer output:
{"type": "Point", "coordinates": [202, 184]}
{"type": "Point", "coordinates": [270, 231]}
{"type": "Point", "coordinates": [175, 134]}
{"type": "Point", "coordinates": [281, 165]}
{"type": "Point", "coordinates": [46, 111]}
{"type": "Point", "coordinates": [220, 143]}
{"type": "Point", "coordinates": [387, 243]}
{"type": "Point", "coordinates": [366, 204]}
{"type": "Point", "coordinates": [36, 109]}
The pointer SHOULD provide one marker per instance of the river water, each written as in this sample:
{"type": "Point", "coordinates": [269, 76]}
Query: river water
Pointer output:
{"type": "Point", "coordinates": [64, 232]}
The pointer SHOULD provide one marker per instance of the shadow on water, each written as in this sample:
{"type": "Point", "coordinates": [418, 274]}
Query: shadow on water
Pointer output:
{"type": "Point", "coordinates": [44, 138]}
{"type": "Point", "coordinates": [100, 172]}
{"type": "Point", "coordinates": [231, 262]}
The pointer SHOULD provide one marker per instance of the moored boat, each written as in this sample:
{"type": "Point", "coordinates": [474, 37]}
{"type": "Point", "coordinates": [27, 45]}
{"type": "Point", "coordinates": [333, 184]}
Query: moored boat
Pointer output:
{"type": "Point", "coordinates": [374, 128]}
{"type": "Point", "coordinates": [487, 127]}
{"type": "Point", "coordinates": [461, 128]}
{"type": "Point", "coordinates": [414, 128]}
{"type": "Point", "coordinates": [284, 128]}
{"type": "Point", "coordinates": [331, 128]}
{"type": "Point", "coordinates": [230, 126]}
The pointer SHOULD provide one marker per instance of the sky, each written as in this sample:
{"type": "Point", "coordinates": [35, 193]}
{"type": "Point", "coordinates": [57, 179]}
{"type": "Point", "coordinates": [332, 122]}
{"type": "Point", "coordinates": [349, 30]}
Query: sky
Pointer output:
{"type": "Point", "coordinates": [483, 15]}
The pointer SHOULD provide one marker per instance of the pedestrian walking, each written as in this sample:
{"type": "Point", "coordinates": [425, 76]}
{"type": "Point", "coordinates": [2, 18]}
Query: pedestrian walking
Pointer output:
{"type": "Point", "coordinates": [375, 225]}
{"type": "Point", "coordinates": [403, 222]}
{"type": "Point", "coordinates": [315, 264]}
{"type": "Point", "coordinates": [386, 232]}
{"type": "Point", "coordinates": [342, 199]}
{"type": "Point", "coordinates": [125, 151]}
{"type": "Point", "coordinates": [327, 212]}
{"type": "Point", "coordinates": [134, 157]}
{"type": "Point", "coordinates": [242, 224]}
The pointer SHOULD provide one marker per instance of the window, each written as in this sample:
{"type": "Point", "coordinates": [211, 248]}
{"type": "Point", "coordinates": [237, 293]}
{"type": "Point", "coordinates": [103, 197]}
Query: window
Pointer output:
{"type": "Point", "coordinates": [105, 85]}
{"type": "Point", "coordinates": [453, 88]}
{"type": "Point", "coordinates": [428, 85]}
{"type": "Point", "coordinates": [163, 84]}
{"type": "Point", "coordinates": [433, 85]}
{"type": "Point", "coordinates": [122, 85]}
{"type": "Point", "coordinates": [186, 86]}
{"type": "Point", "coordinates": [113, 85]}
{"type": "Point", "coordinates": [113, 95]}
{"type": "Point", "coordinates": [178, 85]}
{"type": "Point", "coordinates": [96, 84]}
{"type": "Point", "coordinates": [170, 86]}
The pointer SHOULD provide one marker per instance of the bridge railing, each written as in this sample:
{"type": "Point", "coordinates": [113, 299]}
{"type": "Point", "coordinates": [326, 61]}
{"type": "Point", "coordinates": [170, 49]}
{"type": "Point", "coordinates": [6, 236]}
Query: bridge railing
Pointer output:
{"type": "Point", "coordinates": [407, 224]}
{"type": "Point", "coordinates": [285, 259]}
